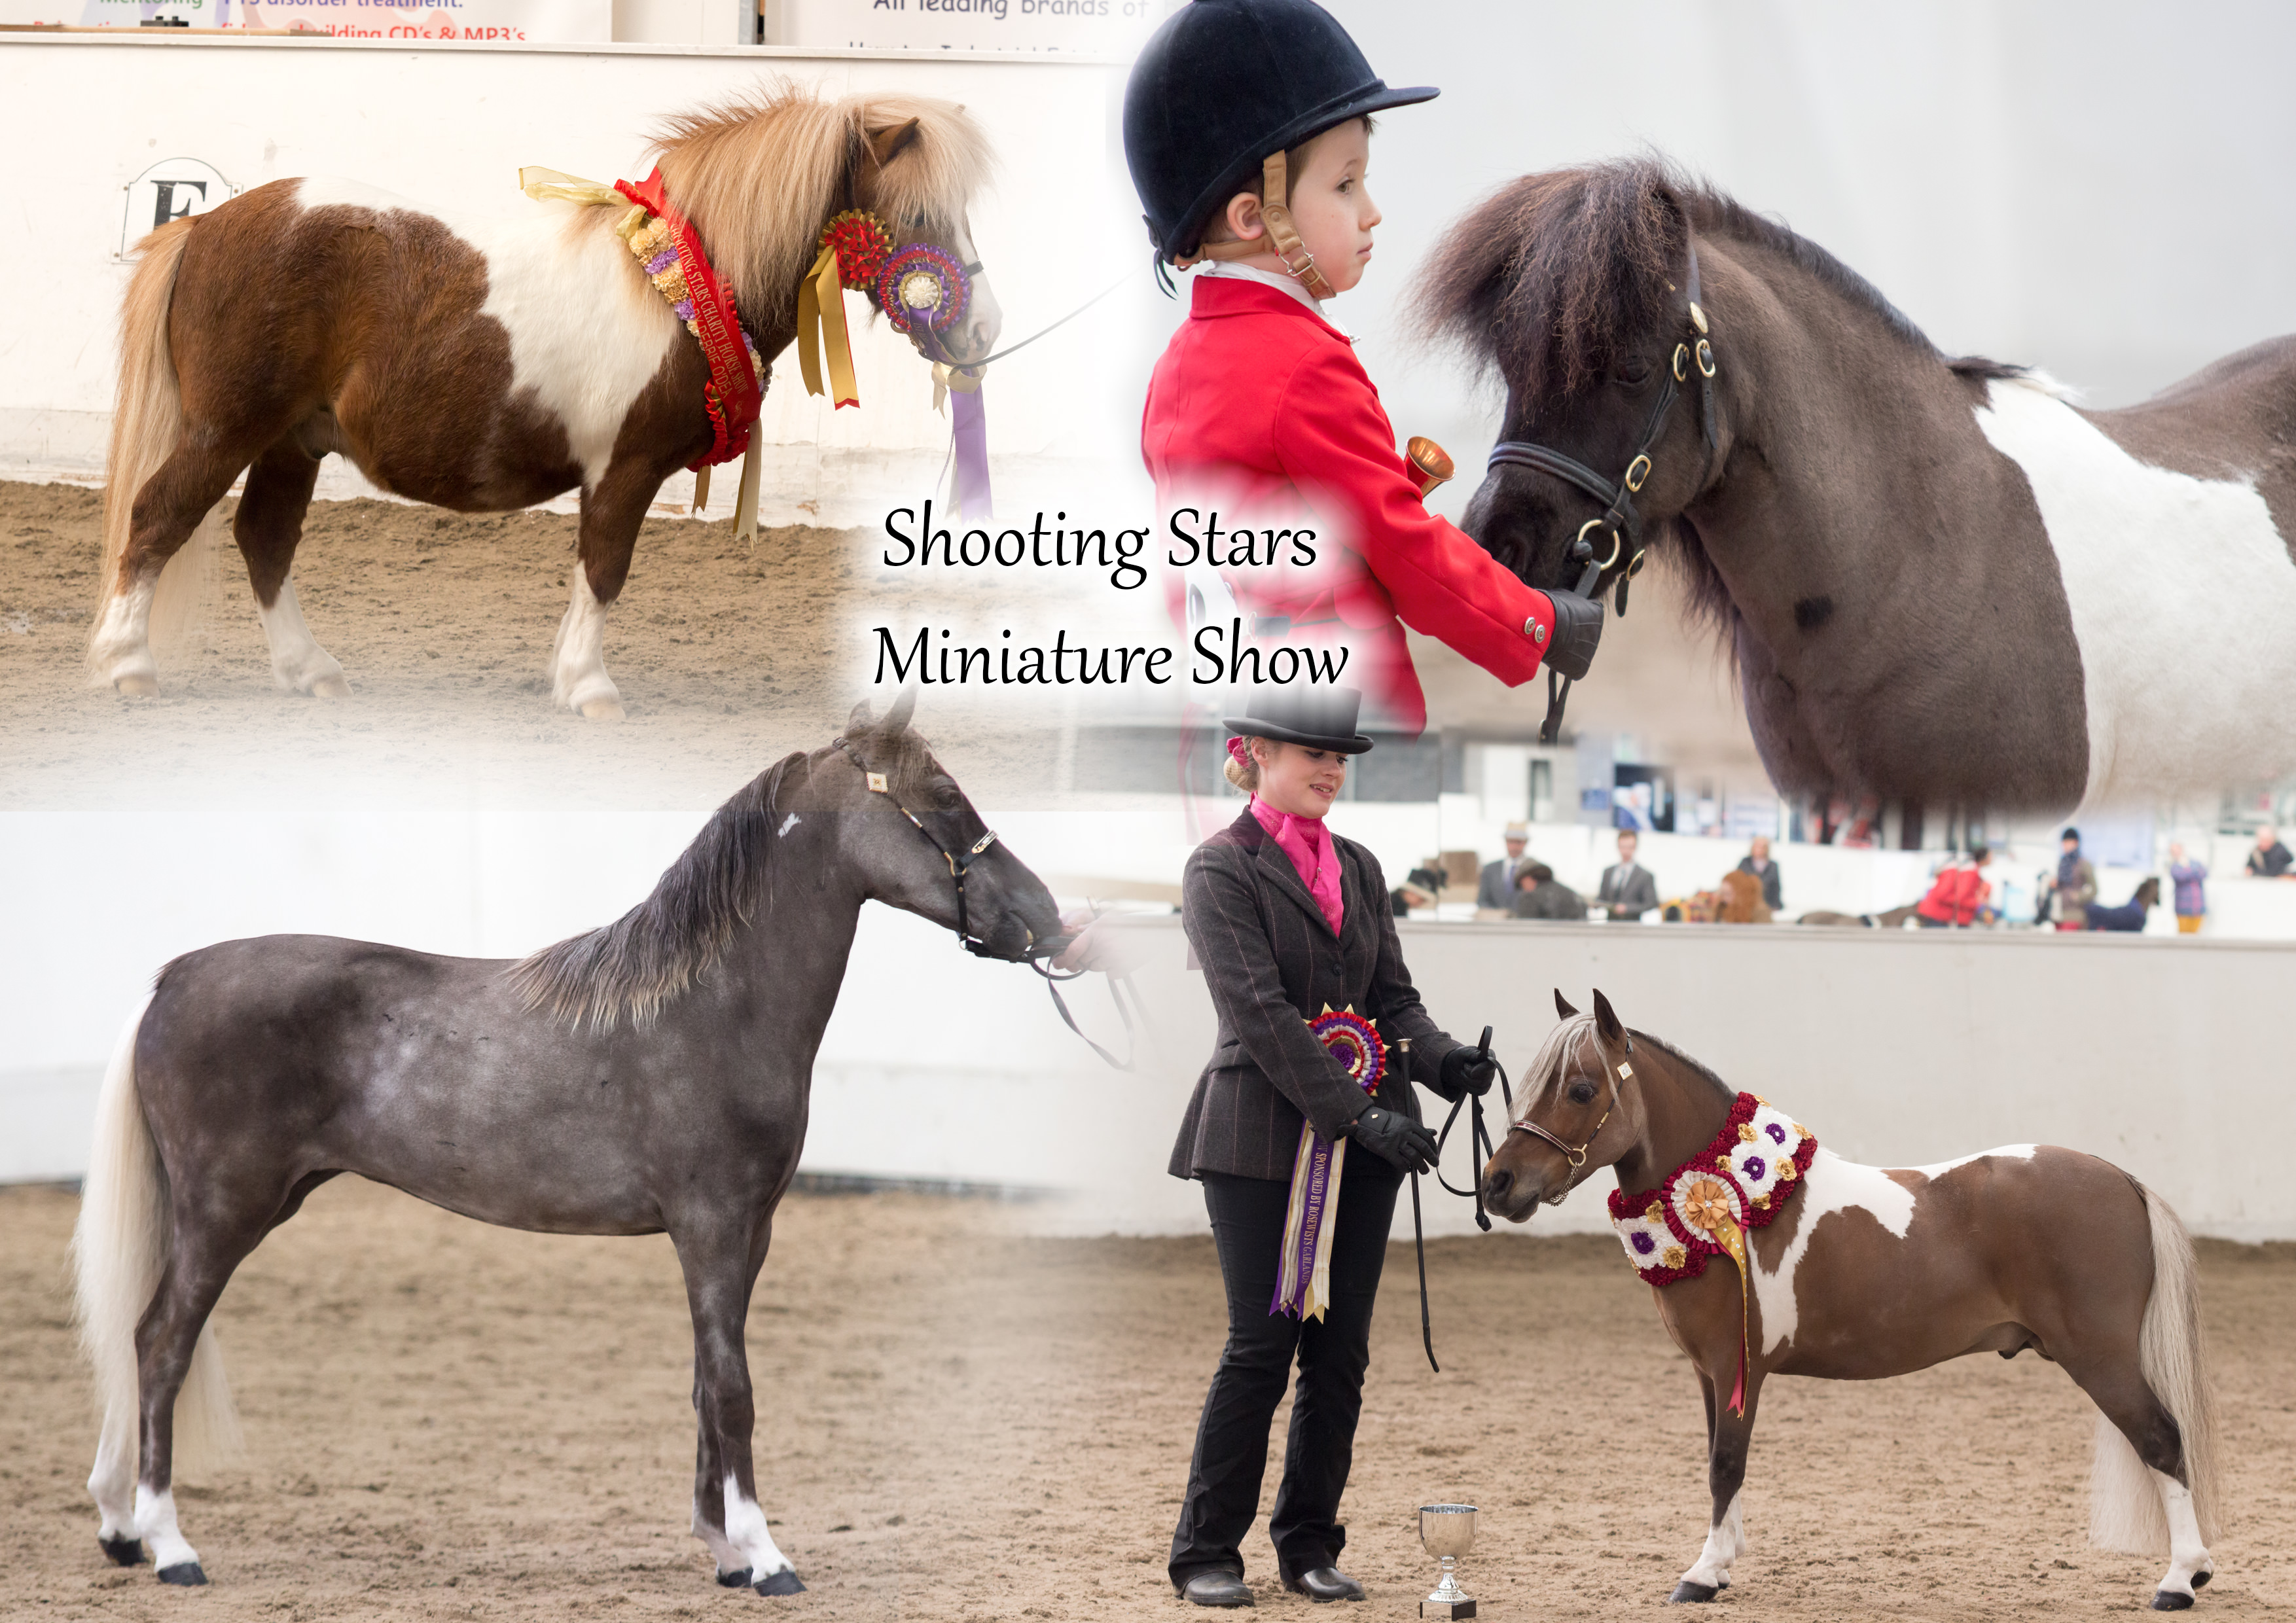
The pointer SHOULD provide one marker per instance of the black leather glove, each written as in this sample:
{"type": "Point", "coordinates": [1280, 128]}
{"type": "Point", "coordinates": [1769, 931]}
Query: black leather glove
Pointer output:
{"type": "Point", "coordinates": [1396, 1139]}
{"type": "Point", "coordinates": [1468, 1070]}
{"type": "Point", "coordinates": [1578, 632]}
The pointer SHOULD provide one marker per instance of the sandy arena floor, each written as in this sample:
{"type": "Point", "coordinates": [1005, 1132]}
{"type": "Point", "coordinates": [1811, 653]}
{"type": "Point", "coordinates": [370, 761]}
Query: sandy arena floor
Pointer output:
{"type": "Point", "coordinates": [446, 1421]}
{"type": "Point", "coordinates": [725, 658]}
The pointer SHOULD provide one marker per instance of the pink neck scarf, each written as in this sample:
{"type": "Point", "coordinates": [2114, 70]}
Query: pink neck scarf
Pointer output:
{"type": "Point", "coordinates": [1308, 844]}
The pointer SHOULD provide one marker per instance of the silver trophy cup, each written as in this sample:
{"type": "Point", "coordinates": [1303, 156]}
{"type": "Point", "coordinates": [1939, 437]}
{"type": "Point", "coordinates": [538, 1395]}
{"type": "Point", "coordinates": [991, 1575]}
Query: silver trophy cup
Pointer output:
{"type": "Point", "coordinates": [1447, 1532]}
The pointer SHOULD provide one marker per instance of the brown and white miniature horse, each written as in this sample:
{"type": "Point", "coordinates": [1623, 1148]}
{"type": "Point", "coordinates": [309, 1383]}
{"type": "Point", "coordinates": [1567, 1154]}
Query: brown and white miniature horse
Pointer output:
{"type": "Point", "coordinates": [1871, 1271]}
{"type": "Point", "coordinates": [1933, 576]}
{"type": "Point", "coordinates": [480, 364]}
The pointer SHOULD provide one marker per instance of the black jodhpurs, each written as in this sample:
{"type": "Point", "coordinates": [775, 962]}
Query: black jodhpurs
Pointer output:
{"type": "Point", "coordinates": [1231, 1456]}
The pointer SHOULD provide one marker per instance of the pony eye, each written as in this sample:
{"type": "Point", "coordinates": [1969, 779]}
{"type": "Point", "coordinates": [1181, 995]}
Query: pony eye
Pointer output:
{"type": "Point", "coordinates": [1581, 1092]}
{"type": "Point", "coordinates": [1635, 370]}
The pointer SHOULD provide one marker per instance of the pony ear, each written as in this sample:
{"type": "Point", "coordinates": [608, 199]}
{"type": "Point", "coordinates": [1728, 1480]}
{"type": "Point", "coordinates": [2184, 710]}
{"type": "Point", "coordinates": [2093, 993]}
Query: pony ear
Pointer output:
{"type": "Point", "coordinates": [1562, 1008]}
{"type": "Point", "coordinates": [897, 720]}
{"type": "Point", "coordinates": [886, 145]}
{"type": "Point", "coordinates": [1607, 1025]}
{"type": "Point", "coordinates": [862, 719]}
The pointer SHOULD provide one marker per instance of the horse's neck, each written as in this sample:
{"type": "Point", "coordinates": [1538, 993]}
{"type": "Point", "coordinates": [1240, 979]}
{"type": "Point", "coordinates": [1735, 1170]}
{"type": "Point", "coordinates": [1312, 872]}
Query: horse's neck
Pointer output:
{"type": "Point", "coordinates": [1682, 1113]}
{"type": "Point", "coordinates": [789, 956]}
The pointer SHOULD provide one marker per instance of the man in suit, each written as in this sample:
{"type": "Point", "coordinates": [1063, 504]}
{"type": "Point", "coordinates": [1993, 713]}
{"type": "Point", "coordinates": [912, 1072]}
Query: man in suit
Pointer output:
{"type": "Point", "coordinates": [1497, 888]}
{"type": "Point", "coordinates": [1627, 890]}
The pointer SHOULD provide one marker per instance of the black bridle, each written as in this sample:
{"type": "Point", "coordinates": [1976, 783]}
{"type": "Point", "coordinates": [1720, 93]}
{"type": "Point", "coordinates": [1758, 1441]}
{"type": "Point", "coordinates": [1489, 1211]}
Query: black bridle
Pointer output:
{"type": "Point", "coordinates": [1692, 353]}
{"type": "Point", "coordinates": [958, 866]}
{"type": "Point", "coordinates": [1031, 951]}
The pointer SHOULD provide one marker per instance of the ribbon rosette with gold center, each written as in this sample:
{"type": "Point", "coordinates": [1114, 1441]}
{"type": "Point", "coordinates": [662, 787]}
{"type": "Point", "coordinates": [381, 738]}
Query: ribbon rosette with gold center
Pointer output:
{"type": "Point", "coordinates": [1356, 1042]}
{"type": "Point", "coordinates": [1742, 1180]}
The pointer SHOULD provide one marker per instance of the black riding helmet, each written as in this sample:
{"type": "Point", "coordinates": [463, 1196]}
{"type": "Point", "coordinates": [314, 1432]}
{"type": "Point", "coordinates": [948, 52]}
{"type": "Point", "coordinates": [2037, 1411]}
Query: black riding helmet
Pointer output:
{"type": "Point", "coordinates": [1222, 84]}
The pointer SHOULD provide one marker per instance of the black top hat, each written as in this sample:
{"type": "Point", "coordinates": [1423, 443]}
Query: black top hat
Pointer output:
{"type": "Point", "coordinates": [1320, 717]}
{"type": "Point", "coordinates": [1222, 84]}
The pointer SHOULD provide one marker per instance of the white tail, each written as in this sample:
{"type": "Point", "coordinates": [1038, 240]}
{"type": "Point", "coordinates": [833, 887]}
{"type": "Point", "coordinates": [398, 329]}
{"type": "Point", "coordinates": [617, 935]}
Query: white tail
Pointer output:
{"type": "Point", "coordinates": [2125, 1511]}
{"type": "Point", "coordinates": [119, 1249]}
{"type": "Point", "coordinates": [147, 420]}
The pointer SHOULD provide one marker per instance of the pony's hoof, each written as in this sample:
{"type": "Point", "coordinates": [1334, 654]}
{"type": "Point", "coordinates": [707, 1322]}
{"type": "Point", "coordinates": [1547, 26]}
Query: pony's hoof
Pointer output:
{"type": "Point", "coordinates": [2171, 1600]}
{"type": "Point", "coordinates": [1686, 1592]}
{"type": "Point", "coordinates": [136, 685]}
{"type": "Point", "coordinates": [2201, 1580]}
{"type": "Point", "coordinates": [123, 1552]}
{"type": "Point", "coordinates": [784, 1582]}
{"type": "Point", "coordinates": [602, 710]}
{"type": "Point", "coordinates": [331, 687]}
{"type": "Point", "coordinates": [739, 1578]}
{"type": "Point", "coordinates": [187, 1574]}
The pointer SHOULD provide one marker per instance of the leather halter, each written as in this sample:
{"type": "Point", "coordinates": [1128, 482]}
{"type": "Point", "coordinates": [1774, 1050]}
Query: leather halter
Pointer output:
{"type": "Point", "coordinates": [878, 784]}
{"type": "Point", "coordinates": [1618, 516]}
{"type": "Point", "coordinates": [1575, 1155]}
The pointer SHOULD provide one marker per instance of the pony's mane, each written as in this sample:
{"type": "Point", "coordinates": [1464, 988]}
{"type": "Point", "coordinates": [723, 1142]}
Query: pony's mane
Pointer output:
{"type": "Point", "coordinates": [661, 946]}
{"type": "Point", "coordinates": [1553, 277]}
{"type": "Point", "coordinates": [1546, 1065]}
{"type": "Point", "coordinates": [758, 174]}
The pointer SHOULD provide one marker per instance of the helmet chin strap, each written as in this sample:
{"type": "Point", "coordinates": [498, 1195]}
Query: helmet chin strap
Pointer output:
{"type": "Point", "coordinates": [1282, 233]}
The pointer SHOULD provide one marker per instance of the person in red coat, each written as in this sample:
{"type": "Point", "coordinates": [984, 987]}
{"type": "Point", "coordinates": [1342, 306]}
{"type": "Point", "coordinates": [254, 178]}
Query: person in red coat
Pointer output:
{"type": "Point", "coordinates": [1259, 411]}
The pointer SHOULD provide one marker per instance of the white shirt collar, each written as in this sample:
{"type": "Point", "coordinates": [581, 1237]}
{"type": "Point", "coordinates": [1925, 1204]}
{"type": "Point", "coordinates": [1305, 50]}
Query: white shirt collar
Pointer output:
{"type": "Point", "coordinates": [1268, 278]}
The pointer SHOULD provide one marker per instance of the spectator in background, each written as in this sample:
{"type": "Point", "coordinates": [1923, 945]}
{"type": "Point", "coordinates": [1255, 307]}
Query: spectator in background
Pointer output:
{"type": "Point", "coordinates": [1497, 889]}
{"type": "Point", "coordinates": [1539, 895]}
{"type": "Point", "coordinates": [1957, 898]}
{"type": "Point", "coordinates": [2192, 889]}
{"type": "Point", "coordinates": [2076, 883]}
{"type": "Point", "coordinates": [2270, 859]}
{"type": "Point", "coordinates": [1627, 890]}
{"type": "Point", "coordinates": [1757, 863]}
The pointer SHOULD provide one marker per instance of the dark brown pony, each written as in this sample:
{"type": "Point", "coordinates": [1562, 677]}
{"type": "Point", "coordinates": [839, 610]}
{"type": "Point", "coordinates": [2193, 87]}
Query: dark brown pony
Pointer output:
{"type": "Point", "coordinates": [1871, 1271]}
{"type": "Point", "coordinates": [651, 1077]}
{"type": "Point", "coordinates": [480, 364]}
{"type": "Point", "coordinates": [1932, 574]}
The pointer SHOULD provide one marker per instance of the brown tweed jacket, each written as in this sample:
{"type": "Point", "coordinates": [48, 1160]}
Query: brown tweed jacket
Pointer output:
{"type": "Point", "coordinates": [1272, 963]}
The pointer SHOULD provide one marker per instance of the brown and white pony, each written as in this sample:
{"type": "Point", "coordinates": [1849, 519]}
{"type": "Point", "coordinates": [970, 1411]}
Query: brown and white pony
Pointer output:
{"type": "Point", "coordinates": [1940, 581]}
{"type": "Point", "coordinates": [480, 364]}
{"type": "Point", "coordinates": [1873, 1271]}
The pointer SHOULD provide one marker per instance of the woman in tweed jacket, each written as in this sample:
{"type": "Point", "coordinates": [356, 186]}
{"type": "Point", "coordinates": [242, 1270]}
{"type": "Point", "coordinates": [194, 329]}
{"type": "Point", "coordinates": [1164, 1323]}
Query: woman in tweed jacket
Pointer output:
{"type": "Point", "coordinates": [1287, 920]}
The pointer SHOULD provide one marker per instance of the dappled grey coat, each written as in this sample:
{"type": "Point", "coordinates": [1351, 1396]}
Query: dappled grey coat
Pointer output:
{"type": "Point", "coordinates": [1272, 963]}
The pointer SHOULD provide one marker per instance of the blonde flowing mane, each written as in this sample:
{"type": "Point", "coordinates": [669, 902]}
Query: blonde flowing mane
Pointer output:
{"type": "Point", "coordinates": [758, 174]}
{"type": "Point", "coordinates": [1545, 1067]}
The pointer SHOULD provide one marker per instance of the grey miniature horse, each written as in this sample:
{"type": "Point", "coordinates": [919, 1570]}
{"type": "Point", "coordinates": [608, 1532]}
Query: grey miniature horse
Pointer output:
{"type": "Point", "coordinates": [650, 1076]}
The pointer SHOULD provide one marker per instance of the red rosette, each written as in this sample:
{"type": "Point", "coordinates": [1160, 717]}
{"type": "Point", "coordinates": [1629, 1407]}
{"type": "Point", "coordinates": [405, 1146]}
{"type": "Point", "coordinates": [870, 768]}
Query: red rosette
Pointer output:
{"type": "Point", "coordinates": [862, 247]}
{"type": "Point", "coordinates": [937, 268]}
{"type": "Point", "coordinates": [1356, 1042]}
{"type": "Point", "coordinates": [1712, 1161]}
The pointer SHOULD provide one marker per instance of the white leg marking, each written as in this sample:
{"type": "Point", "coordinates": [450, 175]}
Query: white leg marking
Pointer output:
{"type": "Point", "coordinates": [1725, 1541]}
{"type": "Point", "coordinates": [112, 1482]}
{"type": "Point", "coordinates": [120, 652]}
{"type": "Point", "coordinates": [721, 1549]}
{"type": "Point", "coordinates": [745, 1531]}
{"type": "Point", "coordinates": [2187, 1554]}
{"type": "Point", "coordinates": [155, 1513]}
{"type": "Point", "coordinates": [298, 665]}
{"type": "Point", "coordinates": [579, 678]}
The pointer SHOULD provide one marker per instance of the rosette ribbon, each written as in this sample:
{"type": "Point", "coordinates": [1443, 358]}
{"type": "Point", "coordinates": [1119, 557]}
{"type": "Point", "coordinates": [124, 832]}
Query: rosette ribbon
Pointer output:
{"type": "Point", "coordinates": [821, 334]}
{"type": "Point", "coordinates": [924, 292]}
{"type": "Point", "coordinates": [1303, 1278]}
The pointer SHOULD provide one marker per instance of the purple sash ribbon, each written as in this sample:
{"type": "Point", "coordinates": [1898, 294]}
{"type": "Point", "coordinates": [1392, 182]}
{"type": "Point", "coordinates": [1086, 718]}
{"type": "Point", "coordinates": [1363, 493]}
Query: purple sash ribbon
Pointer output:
{"type": "Point", "coordinates": [971, 454]}
{"type": "Point", "coordinates": [1303, 1276]}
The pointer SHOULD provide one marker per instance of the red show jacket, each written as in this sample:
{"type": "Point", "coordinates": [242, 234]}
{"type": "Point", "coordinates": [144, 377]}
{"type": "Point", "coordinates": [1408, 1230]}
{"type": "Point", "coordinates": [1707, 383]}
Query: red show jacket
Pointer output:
{"type": "Point", "coordinates": [1260, 408]}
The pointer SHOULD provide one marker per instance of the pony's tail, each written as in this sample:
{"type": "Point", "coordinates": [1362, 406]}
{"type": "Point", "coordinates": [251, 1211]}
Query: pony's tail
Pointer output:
{"type": "Point", "coordinates": [119, 1249]}
{"type": "Point", "coordinates": [147, 420]}
{"type": "Point", "coordinates": [2125, 1509]}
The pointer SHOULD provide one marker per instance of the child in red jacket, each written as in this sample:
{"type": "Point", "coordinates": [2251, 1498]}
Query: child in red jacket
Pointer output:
{"type": "Point", "coordinates": [1247, 126]}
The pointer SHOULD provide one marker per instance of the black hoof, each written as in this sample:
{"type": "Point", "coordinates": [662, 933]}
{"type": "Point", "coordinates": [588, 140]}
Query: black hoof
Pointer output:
{"type": "Point", "coordinates": [187, 1573]}
{"type": "Point", "coordinates": [2201, 1580]}
{"type": "Point", "coordinates": [2168, 1600]}
{"type": "Point", "coordinates": [739, 1578]}
{"type": "Point", "coordinates": [1688, 1592]}
{"type": "Point", "coordinates": [123, 1552]}
{"type": "Point", "coordinates": [784, 1582]}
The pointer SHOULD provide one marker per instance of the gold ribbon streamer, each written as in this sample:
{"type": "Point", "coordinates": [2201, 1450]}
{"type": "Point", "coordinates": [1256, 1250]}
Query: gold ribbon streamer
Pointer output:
{"type": "Point", "coordinates": [821, 332]}
{"type": "Point", "coordinates": [1732, 1240]}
